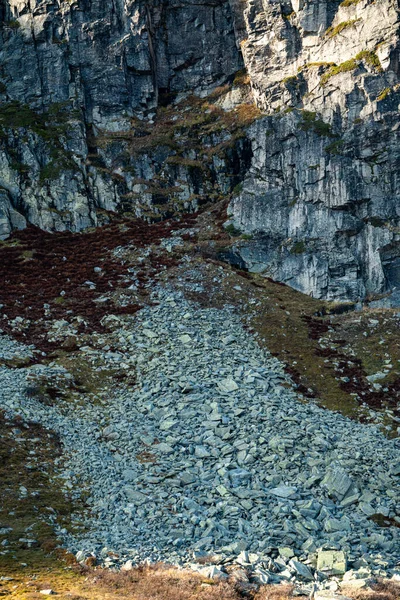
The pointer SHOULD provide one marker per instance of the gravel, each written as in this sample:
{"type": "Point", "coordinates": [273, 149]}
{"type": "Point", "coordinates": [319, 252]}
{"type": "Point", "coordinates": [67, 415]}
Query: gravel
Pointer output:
{"type": "Point", "coordinates": [212, 450]}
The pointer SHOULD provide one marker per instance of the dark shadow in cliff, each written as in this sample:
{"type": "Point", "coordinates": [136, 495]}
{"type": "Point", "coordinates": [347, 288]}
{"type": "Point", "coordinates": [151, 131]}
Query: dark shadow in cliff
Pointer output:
{"type": "Point", "coordinates": [390, 257]}
{"type": "Point", "coordinates": [5, 11]}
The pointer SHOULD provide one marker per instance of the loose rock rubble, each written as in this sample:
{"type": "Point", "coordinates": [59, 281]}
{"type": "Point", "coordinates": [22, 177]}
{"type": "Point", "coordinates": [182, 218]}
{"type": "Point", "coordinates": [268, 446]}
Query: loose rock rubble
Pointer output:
{"type": "Point", "coordinates": [212, 457]}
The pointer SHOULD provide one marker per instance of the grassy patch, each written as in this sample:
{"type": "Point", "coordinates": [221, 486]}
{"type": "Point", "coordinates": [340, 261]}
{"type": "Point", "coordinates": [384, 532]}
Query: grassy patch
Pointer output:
{"type": "Point", "coordinates": [368, 56]}
{"type": "Point", "coordinates": [375, 221]}
{"type": "Point", "coordinates": [51, 127]}
{"type": "Point", "coordinates": [298, 248]}
{"type": "Point", "coordinates": [333, 31]}
{"type": "Point", "coordinates": [14, 24]}
{"type": "Point", "coordinates": [86, 379]}
{"type": "Point", "coordinates": [383, 94]}
{"type": "Point", "coordinates": [371, 58]}
{"type": "Point", "coordinates": [232, 230]}
{"type": "Point", "coordinates": [346, 3]}
{"type": "Point", "coordinates": [311, 123]}
{"type": "Point", "coordinates": [185, 162]}
{"type": "Point", "coordinates": [55, 167]}
{"type": "Point", "coordinates": [345, 67]}
{"type": "Point", "coordinates": [290, 79]}
{"type": "Point", "coordinates": [237, 189]}
{"type": "Point", "coordinates": [242, 78]}
{"type": "Point", "coordinates": [30, 500]}
{"type": "Point", "coordinates": [335, 147]}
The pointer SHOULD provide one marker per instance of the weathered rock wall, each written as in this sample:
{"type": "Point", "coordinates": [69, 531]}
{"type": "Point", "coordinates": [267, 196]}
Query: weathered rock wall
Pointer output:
{"type": "Point", "coordinates": [81, 82]}
{"type": "Point", "coordinates": [87, 67]}
{"type": "Point", "coordinates": [322, 194]}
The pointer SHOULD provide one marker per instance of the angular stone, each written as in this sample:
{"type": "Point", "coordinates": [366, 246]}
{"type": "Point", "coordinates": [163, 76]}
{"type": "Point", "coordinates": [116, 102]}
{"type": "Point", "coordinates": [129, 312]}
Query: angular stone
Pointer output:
{"type": "Point", "coordinates": [343, 524]}
{"type": "Point", "coordinates": [129, 474]}
{"type": "Point", "coordinates": [286, 552]}
{"type": "Point", "coordinates": [283, 491]}
{"type": "Point", "coordinates": [133, 496]}
{"type": "Point", "coordinates": [332, 561]}
{"type": "Point", "coordinates": [80, 556]}
{"type": "Point", "coordinates": [164, 448]}
{"type": "Point", "coordinates": [229, 339]}
{"type": "Point", "coordinates": [228, 385]}
{"type": "Point", "coordinates": [187, 478]}
{"type": "Point", "coordinates": [338, 483]}
{"type": "Point", "coordinates": [243, 558]}
{"type": "Point", "coordinates": [149, 334]}
{"type": "Point", "coordinates": [204, 542]}
{"type": "Point", "coordinates": [201, 452]}
{"type": "Point", "coordinates": [213, 572]}
{"type": "Point", "coordinates": [367, 509]}
{"type": "Point", "coordinates": [302, 570]}
{"type": "Point", "coordinates": [263, 577]}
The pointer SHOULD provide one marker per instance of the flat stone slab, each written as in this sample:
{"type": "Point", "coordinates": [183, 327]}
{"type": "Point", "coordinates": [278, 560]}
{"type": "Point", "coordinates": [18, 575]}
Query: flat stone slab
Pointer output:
{"type": "Point", "coordinates": [327, 595]}
{"type": "Point", "coordinates": [283, 491]}
{"type": "Point", "coordinates": [333, 561]}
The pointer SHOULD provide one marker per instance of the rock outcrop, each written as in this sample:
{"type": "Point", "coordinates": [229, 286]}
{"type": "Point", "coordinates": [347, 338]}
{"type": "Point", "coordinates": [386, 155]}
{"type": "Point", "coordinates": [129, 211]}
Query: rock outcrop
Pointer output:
{"type": "Point", "coordinates": [101, 110]}
{"type": "Point", "coordinates": [321, 197]}
{"type": "Point", "coordinates": [74, 70]}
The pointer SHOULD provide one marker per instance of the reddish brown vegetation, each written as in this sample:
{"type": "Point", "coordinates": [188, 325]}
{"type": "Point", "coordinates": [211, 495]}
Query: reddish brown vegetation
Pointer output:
{"type": "Point", "coordinates": [64, 261]}
{"type": "Point", "coordinates": [162, 583]}
{"type": "Point", "coordinates": [351, 372]}
{"type": "Point", "coordinates": [384, 590]}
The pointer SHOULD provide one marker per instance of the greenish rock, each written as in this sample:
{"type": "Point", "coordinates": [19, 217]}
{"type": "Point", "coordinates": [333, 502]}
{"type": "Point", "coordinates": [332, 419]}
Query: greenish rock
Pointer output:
{"type": "Point", "coordinates": [333, 561]}
{"type": "Point", "coordinates": [286, 552]}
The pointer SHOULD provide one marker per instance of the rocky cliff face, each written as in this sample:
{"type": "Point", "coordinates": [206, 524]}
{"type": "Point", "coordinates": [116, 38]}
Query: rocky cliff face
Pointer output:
{"type": "Point", "coordinates": [322, 195]}
{"type": "Point", "coordinates": [72, 71]}
{"type": "Point", "coordinates": [110, 106]}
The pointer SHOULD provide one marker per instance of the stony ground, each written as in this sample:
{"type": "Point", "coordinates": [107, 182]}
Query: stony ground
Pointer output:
{"type": "Point", "coordinates": [174, 435]}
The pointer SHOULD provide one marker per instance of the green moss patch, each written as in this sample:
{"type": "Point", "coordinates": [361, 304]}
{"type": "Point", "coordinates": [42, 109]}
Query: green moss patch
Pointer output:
{"type": "Point", "coordinates": [51, 127]}
{"type": "Point", "coordinates": [333, 31]}
{"type": "Point", "coordinates": [310, 122]}
{"type": "Point", "coordinates": [367, 56]}
{"type": "Point", "coordinates": [347, 3]}
{"type": "Point", "coordinates": [298, 247]}
{"type": "Point", "coordinates": [371, 58]}
{"type": "Point", "coordinates": [335, 147]}
{"type": "Point", "coordinates": [384, 94]}
{"type": "Point", "coordinates": [345, 67]}
{"type": "Point", "coordinates": [30, 500]}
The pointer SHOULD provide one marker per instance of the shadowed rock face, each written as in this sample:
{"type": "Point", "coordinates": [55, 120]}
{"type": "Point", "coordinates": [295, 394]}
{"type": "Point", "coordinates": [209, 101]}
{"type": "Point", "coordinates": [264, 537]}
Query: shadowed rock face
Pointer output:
{"type": "Point", "coordinates": [114, 57]}
{"type": "Point", "coordinates": [320, 170]}
{"type": "Point", "coordinates": [90, 66]}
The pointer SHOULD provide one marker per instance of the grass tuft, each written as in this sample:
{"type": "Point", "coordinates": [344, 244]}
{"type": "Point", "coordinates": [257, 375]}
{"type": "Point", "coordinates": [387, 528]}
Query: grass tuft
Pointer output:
{"type": "Point", "coordinates": [347, 3]}
{"type": "Point", "coordinates": [335, 30]}
{"type": "Point", "coordinates": [311, 123]}
{"type": "Point", "coordinates": [384, 94]}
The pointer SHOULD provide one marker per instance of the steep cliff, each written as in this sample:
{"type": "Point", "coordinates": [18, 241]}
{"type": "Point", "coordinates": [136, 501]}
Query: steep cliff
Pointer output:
{"type": "Point", "coordinates": [142, 107]}
{"type": "Point", "coordinates": [322, 195]}
{"type": "Point", "coordinates": [74, 71]}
